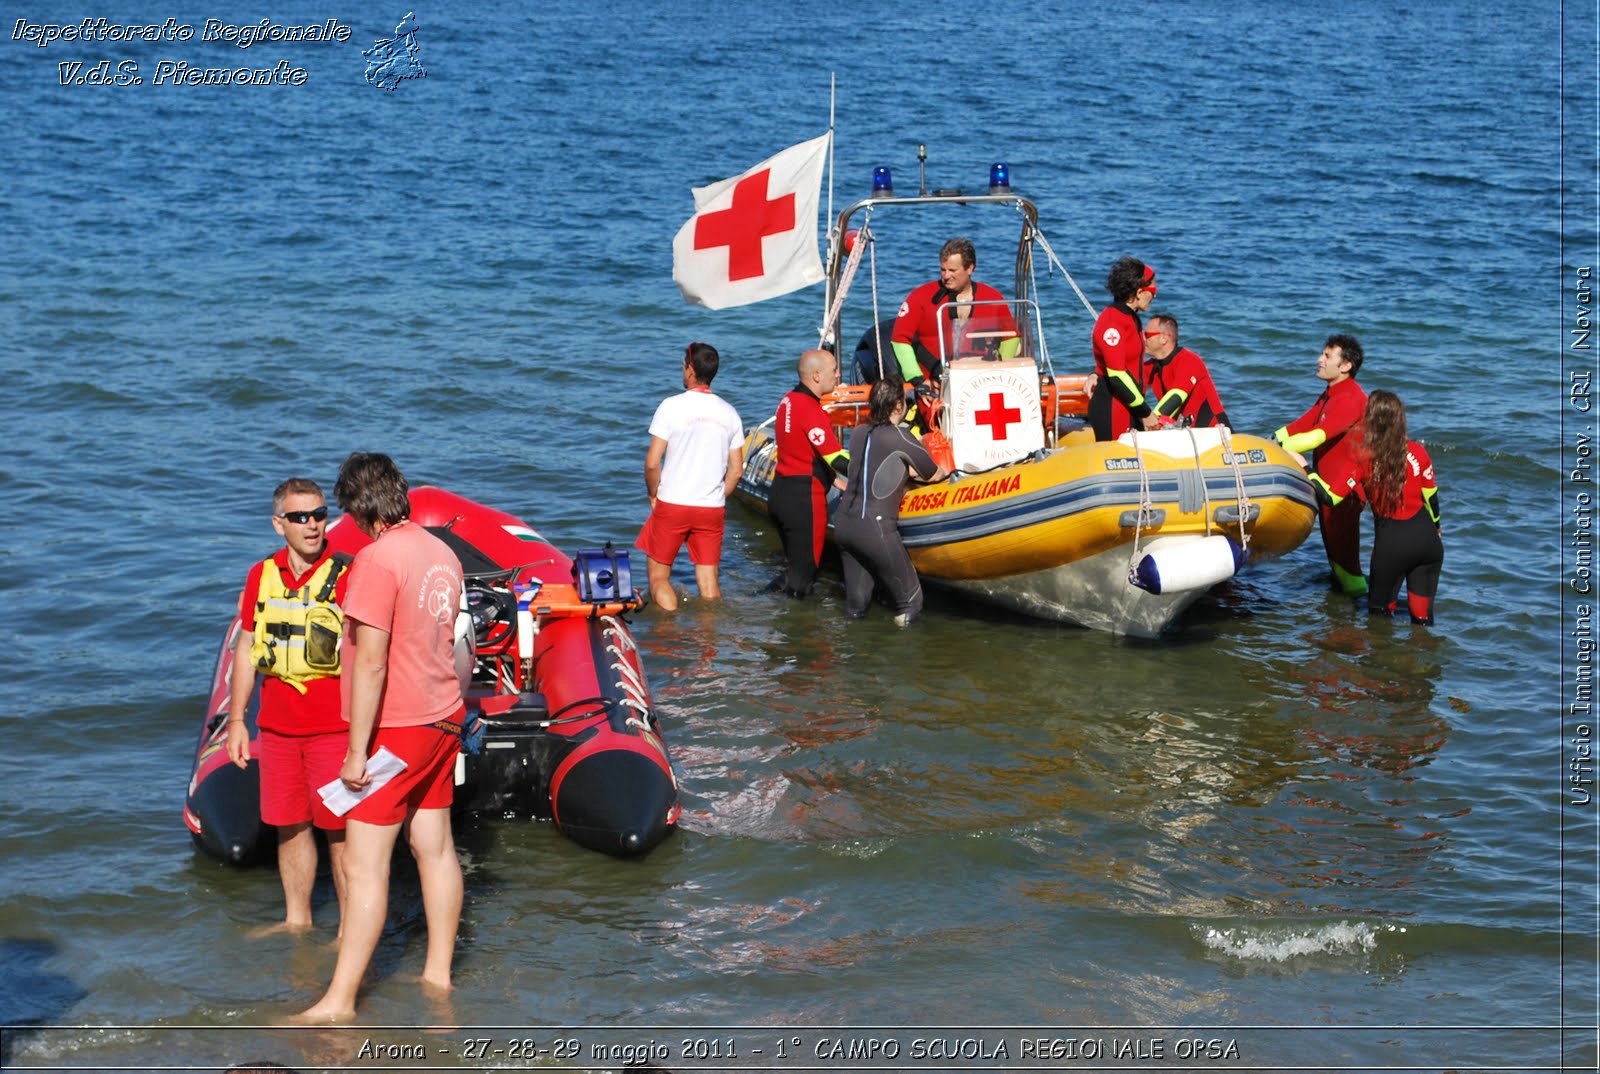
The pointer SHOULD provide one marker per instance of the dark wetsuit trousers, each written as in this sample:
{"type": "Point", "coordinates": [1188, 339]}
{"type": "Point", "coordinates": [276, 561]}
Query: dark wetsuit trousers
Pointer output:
{"type": "Point", "coordinates": [1100, 406]}
{"type": "Point", "coordinates": [799, 507]}
{"type": "Point", "coordinates": [1409, 550]}
{"type": "Point", "coordinates": [873, 552]}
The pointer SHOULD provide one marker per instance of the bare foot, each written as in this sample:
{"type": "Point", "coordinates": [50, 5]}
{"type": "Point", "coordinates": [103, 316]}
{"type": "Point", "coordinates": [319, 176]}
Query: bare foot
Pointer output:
{"type": "Point", "coordinates": [433, 984]}
{"type": "Point", "coordinates": [442, 1004]}
{"type": "Point", "coordinates": [321, 1013]}
{"type": "Point", "coordinates": [281, 926]}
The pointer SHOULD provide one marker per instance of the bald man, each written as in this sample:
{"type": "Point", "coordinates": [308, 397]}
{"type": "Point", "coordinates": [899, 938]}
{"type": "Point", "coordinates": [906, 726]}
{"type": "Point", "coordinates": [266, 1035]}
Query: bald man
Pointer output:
{"type": "Point", "coordinates": [809, 458]}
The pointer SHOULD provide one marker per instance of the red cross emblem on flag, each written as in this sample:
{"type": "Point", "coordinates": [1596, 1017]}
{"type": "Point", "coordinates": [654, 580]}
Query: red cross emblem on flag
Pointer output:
{"type": "Point", "coordinates": [742, 227]}
{"type": "Point", "coordinates": [998, 417]}
{"type": "Point", "coordinates": [754, 236]}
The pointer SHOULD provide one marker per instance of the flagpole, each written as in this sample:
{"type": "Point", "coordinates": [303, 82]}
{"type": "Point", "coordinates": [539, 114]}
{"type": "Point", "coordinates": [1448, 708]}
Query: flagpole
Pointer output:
{"type": "Point", "coordinates": [832, 97]}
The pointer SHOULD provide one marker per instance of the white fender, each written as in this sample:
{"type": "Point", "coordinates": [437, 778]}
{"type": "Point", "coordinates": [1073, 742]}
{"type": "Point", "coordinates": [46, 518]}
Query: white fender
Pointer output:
{"type": "Point", "coordinates": [1189, 565]}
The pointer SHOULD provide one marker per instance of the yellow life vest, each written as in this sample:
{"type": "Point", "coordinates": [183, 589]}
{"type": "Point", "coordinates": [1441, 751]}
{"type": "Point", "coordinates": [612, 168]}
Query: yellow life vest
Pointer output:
{"type": "Point", "coordinates": [298, 630]}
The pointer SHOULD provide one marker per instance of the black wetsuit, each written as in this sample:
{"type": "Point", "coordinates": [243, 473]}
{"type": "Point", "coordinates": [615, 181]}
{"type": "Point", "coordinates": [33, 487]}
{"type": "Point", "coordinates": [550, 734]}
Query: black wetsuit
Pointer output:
{"type": "Point", "coordinates": [866, 524]}
{"type": "Point", "coordinates": [1409, 550]}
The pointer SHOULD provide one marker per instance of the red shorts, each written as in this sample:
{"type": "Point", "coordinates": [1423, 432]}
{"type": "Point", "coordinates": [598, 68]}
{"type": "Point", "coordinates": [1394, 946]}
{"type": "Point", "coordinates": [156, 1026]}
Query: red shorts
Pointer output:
{"type": "Point", "coordinates": [428, 780]}
{"type": "Point", "coordinates": [670, 525]}
{"type": "Point", "coordinates": [292, 768]}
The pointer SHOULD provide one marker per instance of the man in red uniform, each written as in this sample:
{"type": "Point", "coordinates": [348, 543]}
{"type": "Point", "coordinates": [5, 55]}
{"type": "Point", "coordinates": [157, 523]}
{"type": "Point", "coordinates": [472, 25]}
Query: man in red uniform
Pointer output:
{"type": "Point", "coordinates": [810, 458]}
{"type": "Point", "coordinates": [290, 619]}
{"type": "Point", "coordinates": [1118, 403]}
{"type": "Point", "coordinates": [1178, 378]}
{"type": "Point", "coordinates": [935, 323]}
{"type": "Point", "coordinates": [1321, 431]}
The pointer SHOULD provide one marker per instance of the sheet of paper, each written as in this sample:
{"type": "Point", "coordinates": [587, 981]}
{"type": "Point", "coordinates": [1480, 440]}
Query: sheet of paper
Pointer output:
{"type": "Point", "coordinates": [381, 766]}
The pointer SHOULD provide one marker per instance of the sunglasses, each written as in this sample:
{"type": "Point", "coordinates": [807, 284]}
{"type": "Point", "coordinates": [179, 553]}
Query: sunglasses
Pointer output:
{"type": "Point", "coordinates": [1153, 333]}
{"type": "Point", "coordinates": [300, 518]}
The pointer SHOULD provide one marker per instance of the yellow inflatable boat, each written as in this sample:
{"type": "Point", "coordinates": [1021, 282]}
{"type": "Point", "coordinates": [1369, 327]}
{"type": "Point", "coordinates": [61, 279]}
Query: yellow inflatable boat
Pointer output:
{"type": "Point", "coordinates": [1038, 517]}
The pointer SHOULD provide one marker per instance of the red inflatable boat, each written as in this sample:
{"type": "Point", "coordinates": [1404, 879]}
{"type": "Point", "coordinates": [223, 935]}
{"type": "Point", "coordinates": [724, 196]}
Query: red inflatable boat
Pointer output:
{"type": "Point", "coordinates": [570, 734]}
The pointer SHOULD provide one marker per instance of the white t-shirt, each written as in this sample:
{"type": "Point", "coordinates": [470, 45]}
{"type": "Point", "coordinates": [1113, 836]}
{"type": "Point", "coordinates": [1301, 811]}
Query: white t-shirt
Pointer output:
{"type": "Point", "coordinates": [700, 430]}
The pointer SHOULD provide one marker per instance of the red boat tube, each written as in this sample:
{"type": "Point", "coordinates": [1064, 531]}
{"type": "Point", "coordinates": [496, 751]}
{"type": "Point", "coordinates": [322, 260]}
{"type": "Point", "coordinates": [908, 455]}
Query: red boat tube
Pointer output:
{"type": "Point", "coordinates": [223, 810]}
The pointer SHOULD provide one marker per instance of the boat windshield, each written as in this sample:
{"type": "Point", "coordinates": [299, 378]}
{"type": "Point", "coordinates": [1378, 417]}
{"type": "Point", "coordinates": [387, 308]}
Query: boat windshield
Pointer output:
{"type": "Point", "coordinates": [901, 237]}
{"type": "Point", "coordinates": [983, 329]}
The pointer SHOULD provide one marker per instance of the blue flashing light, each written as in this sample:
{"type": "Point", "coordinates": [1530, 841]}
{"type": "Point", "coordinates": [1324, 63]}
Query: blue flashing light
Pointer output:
{"type": "Point", "coordinates": [1000, 179]}
{"type": "Point", "coordinates": [882, 182]}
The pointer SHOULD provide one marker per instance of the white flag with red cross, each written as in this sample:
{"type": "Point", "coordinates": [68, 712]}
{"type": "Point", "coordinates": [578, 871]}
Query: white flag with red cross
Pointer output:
{"type": "Point", "coordinates": [754, 236]}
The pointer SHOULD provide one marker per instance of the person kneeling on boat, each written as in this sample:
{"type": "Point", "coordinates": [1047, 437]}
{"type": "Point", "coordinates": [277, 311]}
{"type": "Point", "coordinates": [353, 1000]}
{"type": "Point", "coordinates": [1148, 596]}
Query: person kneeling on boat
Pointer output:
{"type": "Point", "coordinates": [402, 695]}
{"type": "Point", "coordinates": [290, 620]}
{"type": "Point", "coordinates": [1395, 476]}
{"type": "Point", "coordinates": [808, 459]}
{"type": "Point", "coordinates": [939, 319]}
{"type": "Point", "coordinates": [883, 457]}
{"type": "Point", "coordinates": [695, 458]}
{"type": "Point", "coordinates": [1118, 403]}
{"type": "Point", "coordinates": [1178, 378]}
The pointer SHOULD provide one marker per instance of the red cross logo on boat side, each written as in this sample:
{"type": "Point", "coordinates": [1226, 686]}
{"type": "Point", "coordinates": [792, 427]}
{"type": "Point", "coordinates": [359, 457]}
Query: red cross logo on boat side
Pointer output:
{"type": "Point", "coordinates": [998, 416]}
{"type": "Point", "coordinates": [742, 226]}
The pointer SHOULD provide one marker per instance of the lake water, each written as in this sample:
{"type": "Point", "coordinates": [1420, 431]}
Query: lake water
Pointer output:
{"type": "Point", "coordinates": [1332, 843]}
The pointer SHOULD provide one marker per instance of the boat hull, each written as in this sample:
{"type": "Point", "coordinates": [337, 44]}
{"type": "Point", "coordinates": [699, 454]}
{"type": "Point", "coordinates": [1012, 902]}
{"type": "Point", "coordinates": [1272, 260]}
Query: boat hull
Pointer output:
{"type": "Point", "coordinates": [1054, 536]}
{"type": "Point", "coordinates": [223, 808]}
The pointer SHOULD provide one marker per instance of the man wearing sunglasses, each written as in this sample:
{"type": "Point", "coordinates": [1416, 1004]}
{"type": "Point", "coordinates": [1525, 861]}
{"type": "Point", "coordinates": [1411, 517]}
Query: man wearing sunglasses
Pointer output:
{"type": "Point", "coordinates": [1178, 378]}
{"type": "Point", "coordinates": [291, 622]}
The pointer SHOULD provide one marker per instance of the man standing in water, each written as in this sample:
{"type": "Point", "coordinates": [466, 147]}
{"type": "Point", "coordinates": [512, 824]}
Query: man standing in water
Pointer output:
{"type": "Point", "coordinates": [291, 622]}
{"type": "Point", "coordinates": [695, 458]}
{"type": "Point", "coordinates": [810, 458]}
{"type": "Point", "coordinates": [401, 695]}
{"type": "Point", "coordinates": [1321, 432]}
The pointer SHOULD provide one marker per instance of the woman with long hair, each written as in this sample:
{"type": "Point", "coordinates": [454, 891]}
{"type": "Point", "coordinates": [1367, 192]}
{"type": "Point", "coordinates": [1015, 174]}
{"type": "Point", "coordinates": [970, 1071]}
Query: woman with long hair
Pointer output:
{"type": "Point", "coordinates": [1394, 475]}
{"type": "Point", "coordinates": [883, 457]}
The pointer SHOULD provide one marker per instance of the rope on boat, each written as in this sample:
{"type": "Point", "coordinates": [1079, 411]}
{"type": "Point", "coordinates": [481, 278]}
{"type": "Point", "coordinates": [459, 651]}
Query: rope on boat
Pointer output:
{"type": "Point", "coordinates": [1046, 368]}
{"type": "Point", "coordinates": [633, 684]}
{"type": "Point", "coordinates": [1146, 508]}
{"type": "Point", "coordinates": [1242, 497]}
{"type": "Point", "coordinates": [877, 335]}
{"type": "Point", "coordinates": [1056, 261]}
{"type": "Point", "coordinates": [1205, 492]}
{"type": "Point", "coordinates": [845, 279]}
{"type": "Point", "coordinates": [630, 679]}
